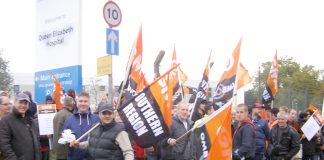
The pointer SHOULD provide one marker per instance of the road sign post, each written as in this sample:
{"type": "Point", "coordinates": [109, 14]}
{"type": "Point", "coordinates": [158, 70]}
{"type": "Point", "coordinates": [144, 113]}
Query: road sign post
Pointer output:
{"type": "Point", "coordinates": [113, 17]}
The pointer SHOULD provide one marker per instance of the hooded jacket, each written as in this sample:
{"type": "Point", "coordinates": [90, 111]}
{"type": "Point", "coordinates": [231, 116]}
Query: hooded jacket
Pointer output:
{"type": "Point", "coordinates": [18, 137]}
{"type": "Point", "coordinates": [79, 123]}
{"type": "Point", "coordinates": [244, 139]}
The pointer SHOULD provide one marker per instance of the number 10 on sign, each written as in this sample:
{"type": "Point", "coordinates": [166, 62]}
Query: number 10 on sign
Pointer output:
{"type": "Point", "coordinates": [112, 14]}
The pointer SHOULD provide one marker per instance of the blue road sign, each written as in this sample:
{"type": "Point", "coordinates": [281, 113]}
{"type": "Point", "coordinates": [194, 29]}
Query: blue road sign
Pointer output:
{"type": "Point", "coordinates": [112, 41]}
{"type": "Point", "coordinates": [69, 77]}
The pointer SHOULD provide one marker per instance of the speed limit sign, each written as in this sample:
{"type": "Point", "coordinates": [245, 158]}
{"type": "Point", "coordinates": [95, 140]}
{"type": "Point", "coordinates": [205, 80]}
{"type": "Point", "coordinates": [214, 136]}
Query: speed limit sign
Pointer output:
{"type": "Point", "coordinates": [112, 14]}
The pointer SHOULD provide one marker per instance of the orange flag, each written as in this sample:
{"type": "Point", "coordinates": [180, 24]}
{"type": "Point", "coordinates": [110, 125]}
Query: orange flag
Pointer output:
{"type": "Point", "coordinates": [57, 92]}
{"type": "Point", "coordinates": [177, 76]}
{"type": "Point", "coordinates": [214, 134]}
{"type": "Point", "coordinates": [272, 83]}
{"type": "Point", "coordinates": [243, 77]}
{"type": "Point", "coordinates": [312, 107]}
{"type": "Point", "coordinates": [162, 93]}
{"type": "Point", "coordinates": [222, 144]}
{"type": "Point", "coordinates": [226, 86]}
{"type": "Point", "coordinates": [135, 81]}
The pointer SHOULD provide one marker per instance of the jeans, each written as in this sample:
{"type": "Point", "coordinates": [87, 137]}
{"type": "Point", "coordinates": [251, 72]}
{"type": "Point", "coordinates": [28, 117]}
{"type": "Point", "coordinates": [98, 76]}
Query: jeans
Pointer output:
{"type": "Point", "coordinates": [259, 156]}
{"type": "Point", "coordinates": [151, 157]}
{"type": "Point", "coordinates": [311, 157]}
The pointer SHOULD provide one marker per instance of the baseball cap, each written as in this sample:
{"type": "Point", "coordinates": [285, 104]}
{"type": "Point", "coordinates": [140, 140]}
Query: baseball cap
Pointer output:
{"type": "Point", "coordinates": [105, 107]}
{"type": "Point", "coordinates": [257, 105]}
{"type": "Point", "coordinates": [22, 97]}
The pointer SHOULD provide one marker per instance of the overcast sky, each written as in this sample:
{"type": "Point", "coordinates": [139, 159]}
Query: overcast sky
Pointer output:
{"type": "Point", "coordinates": [295, 28]}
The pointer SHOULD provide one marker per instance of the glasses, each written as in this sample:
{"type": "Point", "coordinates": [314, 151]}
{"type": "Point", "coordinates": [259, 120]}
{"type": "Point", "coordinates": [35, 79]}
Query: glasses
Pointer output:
{"type": "Point", "coordinates": [106, 113]}
{"type": "Point", "coordinates": [5, 104]}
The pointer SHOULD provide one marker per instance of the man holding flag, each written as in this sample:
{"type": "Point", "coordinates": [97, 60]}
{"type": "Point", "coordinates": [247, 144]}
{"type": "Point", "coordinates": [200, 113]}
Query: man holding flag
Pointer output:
{"type": "Point", "coordinates": [183, 148]}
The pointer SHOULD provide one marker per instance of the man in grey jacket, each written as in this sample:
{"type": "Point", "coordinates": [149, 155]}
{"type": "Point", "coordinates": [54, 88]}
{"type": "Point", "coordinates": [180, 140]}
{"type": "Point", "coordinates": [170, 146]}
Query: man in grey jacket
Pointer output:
{"type": "Point", "coordinates": [61, 150]}
{"type": "Point", "coordinates": [182, 149]}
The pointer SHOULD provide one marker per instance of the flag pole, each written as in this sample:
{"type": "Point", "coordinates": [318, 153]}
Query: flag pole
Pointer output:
{"type": "Point", "coordinates": [90, 130]}
{"type": "Point", "coordinates": [205, 120]}
{"type": "Point", "coordinates": [236, 79]}
{"type": "Point", "coordinates": [207, 66]}
{"type": "Point", "coordinates": [180, 84]}
{"type": "Point", "coordinates": [130, 58]}
{"type": "Point", "coordinates": [185, 134]}
{"type": "Point", "coordinates": [194, 104]}
{"type": "Point", "coordinates": [271, 104]}
{"type": "Point", "coordinates": [323, 109]}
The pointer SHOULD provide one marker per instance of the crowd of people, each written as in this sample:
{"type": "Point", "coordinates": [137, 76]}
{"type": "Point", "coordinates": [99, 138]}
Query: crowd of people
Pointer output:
{"type": "Point", "coordinates": [276, 135]}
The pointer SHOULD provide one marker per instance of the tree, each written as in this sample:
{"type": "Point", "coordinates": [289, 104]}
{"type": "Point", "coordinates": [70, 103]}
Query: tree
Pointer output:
{"type": "Point", "coordinates": [298, 86]}
{"type": "Point", "coordinates": [5, 77]}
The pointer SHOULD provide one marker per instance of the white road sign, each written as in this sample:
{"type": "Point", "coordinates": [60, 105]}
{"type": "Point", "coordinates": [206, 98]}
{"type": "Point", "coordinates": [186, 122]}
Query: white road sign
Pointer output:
{"type": "Point", "coordinates": [112, 14]}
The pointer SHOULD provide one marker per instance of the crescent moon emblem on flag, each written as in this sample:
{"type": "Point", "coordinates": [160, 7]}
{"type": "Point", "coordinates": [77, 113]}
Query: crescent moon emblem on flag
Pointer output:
{"type": "Point", "coordinates": [230, 63]}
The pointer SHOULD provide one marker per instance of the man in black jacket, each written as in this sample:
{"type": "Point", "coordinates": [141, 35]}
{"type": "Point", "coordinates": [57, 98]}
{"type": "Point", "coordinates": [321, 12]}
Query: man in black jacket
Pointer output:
{"type": "Point", "coordinates": [244, 135]}
{"type": "Point", "coordinates": [18, 138]}
{"type": "Point", "coordinates": [284, 139]}
{"type": "Point", "coordinates": [109, 141]}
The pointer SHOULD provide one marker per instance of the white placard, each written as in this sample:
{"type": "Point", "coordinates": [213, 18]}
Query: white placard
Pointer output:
{"type": "Point", "coordinates": [312, 126]}
{"type": "Point", "coordinates": [46, 113]}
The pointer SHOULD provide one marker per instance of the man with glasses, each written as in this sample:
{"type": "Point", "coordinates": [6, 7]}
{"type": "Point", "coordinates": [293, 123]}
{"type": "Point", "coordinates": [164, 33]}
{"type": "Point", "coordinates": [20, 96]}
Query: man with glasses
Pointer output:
{"type": "Point", "coordinates": [18, 136]}
{"type": "Point", "coordinates": [5, 106]}
{"type": "Point", "coordinates": [109, 140]}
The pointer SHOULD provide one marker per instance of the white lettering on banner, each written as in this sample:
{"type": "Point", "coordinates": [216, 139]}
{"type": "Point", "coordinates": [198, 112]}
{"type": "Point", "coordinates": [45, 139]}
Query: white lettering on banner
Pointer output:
{"type": "Point", "coordinates": [204, 85]}
{"type": "Point", "coordinates": [164, 90]}
{"type": "Point", "coordinates": [273, 73]}
{"type": "Point", "coordinates": [137, 63]}
{"type": "Point", "coordinates": [131, 90]}
{"type": "Point", "coordinates": [266, 95]}
{"type": "Point", "coordinates": [149, 114]}
{"type": "Point", "coordinates": [203, 144]}
{"type": "Point", "coordinates": [137, 124]}
{"type": "Point", "coordinates": [201, 95]}
{"type": "Point", "coordinates": [222, 90]}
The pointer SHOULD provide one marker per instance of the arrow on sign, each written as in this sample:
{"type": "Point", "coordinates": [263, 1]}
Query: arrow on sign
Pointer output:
{"type": "Point", "coordinates": [112, 38]}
